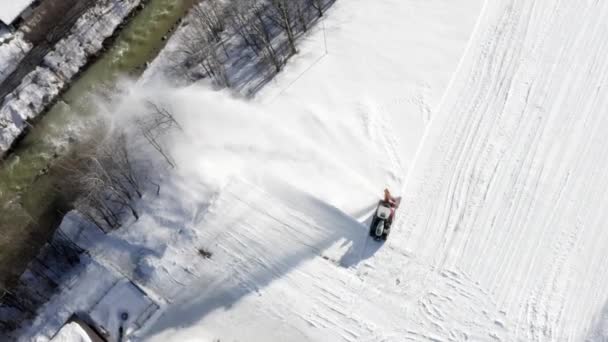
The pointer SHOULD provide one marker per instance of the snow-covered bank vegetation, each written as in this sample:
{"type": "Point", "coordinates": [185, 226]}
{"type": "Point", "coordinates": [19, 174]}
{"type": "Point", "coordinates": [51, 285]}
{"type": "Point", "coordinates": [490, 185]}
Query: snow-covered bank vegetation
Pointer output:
{"type": "Point", "coordinates": [12, 49]}
{"type": "Point", "coordinates": [42, 85]}
{"type": "Point", "coordinates": [238, 44]}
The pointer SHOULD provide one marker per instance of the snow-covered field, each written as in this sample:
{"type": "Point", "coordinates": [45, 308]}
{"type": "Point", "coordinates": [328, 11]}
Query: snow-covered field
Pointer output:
{"type": "Point", "coordinates": [500, 235]}
{"type": "Point", "coordinates": [510, 186]}
{"type": "Point", "coordinates": [71, 333]}
{"type": "Point", "coordinates": [12, 49]}
{"type": "Point", "coordinates": [332, 130]}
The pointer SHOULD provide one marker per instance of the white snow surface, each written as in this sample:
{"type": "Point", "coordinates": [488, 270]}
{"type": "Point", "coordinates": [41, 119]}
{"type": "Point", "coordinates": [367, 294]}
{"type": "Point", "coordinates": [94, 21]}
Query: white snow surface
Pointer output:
{"type": "Point", "coordinates": [509, 188]}
{"type": "Point", "coordinates": [11, 9]}
{"type": "Point", "coordinates": [71, 332]}
{"type": "Point", "coordinates": [500, 235]}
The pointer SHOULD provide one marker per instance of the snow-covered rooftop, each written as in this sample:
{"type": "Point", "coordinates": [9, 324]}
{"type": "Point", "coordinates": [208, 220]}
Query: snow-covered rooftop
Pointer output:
{"type": "Point", "coordinates": [11, 9]}
{"type": "Point", "coordinates": [72, 332]}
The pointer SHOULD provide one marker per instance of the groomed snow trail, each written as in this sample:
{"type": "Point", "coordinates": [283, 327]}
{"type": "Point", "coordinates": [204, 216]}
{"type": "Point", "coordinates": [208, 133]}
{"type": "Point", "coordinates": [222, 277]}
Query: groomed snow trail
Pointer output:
{"type": "Point", "coordinates": [510, 187]}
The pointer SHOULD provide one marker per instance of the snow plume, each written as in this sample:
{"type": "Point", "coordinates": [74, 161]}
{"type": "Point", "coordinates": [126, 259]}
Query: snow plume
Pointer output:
{"type": "Point", "coordinates": [224, 136]}
{"type": "Point", "coordinates": [286, 188]}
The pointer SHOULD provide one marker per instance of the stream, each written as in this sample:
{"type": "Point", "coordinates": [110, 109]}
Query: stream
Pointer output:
{"type": "Point", "coordinates": [30, 207]}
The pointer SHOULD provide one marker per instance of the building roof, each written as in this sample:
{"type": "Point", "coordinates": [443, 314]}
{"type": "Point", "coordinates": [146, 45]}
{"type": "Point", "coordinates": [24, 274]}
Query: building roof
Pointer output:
{"type": "Point", "coordinates": [11, 9]}
{"type": "Point", "coordinates": [72, 332]}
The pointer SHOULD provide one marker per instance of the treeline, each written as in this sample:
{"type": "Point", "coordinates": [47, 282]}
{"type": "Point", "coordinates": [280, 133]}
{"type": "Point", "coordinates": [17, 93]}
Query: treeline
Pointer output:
{"type": "Point", "coordinates": [220, 34]}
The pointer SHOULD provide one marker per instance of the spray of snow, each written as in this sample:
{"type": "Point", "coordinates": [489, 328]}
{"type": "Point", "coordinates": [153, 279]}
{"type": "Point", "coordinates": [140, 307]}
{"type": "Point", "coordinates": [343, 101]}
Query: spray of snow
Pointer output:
{"type": "Point", "coordinates": [224, 136]}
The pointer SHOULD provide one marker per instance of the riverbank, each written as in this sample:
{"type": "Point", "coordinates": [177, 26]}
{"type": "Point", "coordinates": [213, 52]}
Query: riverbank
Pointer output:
{"type": "Point", "coordinates": [29, 202]}
{"type": "Point", "coordinates": [56, 68]}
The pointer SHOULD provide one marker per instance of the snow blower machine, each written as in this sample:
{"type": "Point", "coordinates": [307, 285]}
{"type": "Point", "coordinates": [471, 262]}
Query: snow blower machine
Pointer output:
{"type": "Point", "coordinates": [382, 220]}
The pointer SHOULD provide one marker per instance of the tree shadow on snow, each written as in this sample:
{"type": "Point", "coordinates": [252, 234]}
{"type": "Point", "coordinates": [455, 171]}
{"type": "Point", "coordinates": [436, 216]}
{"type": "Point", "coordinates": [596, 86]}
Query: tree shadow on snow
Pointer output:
{"type": "Point", "coordinates": [328, 223]}
{"type": "Point", "coordinates": [599, 328]}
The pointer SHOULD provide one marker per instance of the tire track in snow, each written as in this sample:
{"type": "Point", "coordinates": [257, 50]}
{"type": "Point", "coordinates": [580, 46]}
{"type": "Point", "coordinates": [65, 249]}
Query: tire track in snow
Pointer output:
{"type": "Point", "coordinates": [379, 130]}
{"type": "Point", "coordinates": [508, 185]}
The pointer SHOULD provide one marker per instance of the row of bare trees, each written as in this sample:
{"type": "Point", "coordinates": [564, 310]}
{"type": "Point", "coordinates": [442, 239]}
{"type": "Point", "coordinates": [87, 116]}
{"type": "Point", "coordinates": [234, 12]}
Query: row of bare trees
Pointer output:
{"type": "Point", "coordinates": [268, 28]}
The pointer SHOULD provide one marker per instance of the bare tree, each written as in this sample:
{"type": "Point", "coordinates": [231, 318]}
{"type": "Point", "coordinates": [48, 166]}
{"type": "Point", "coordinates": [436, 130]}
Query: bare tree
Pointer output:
{"type": "Point", "coordinates": [102, 177]}
{"type": "Point", "coordinates": [262, 32]}
{"type": "Point", "coordinates": [200, 45]}
{"type": "Point", "coordinates": [157, 122]}
{"type": "Point", "coordinates": [317, 5]}
{"type": "Point", "coordinates": [281, 12]}
{"type": "Point", "coordinates": [113, 165]}
{"type": "Point", "coordinates": [239, 19]}
{"type": "Point", "coordinates": [251, 21]}
{"type": "Point", "coordinates": [301, 14]}
{"type": "Point", "coordinates": [209, 16]}
{"type": "Point", "coordinates": [209, 21]}
{"type": "Point", "coordinates": [218, 68]}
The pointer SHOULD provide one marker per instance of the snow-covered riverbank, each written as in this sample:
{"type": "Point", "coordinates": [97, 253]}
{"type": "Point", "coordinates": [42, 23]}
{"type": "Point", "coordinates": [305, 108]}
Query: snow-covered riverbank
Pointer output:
{"type": "Point", "coordinates": [41, 86]}
{"type": "Point", "coordinates": [12, 49]}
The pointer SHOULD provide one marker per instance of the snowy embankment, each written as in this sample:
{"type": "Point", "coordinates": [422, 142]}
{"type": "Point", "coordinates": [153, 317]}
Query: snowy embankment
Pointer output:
{"type": "Point", "coordinates": [12, 49]}
{"type": "Point", "coordinates": [279, 189]}
{"type": "Point", "coordinates": [40, 87]}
